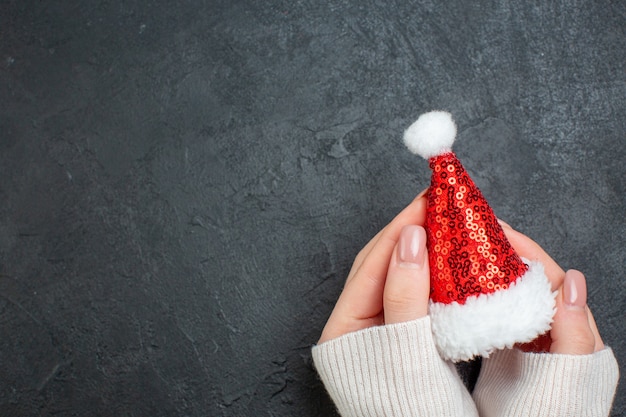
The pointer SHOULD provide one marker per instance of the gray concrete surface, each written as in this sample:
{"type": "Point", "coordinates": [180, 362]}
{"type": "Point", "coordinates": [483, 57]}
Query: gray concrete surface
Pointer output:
{"type": "Point", "coordinates": [184, 185]}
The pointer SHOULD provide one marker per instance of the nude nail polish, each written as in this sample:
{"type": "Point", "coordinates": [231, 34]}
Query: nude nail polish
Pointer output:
{"type": "Point", "coordinates": [412, 246]}
{"type": "Point", "coordinates": [574, 289]}
{"type": "Point", "coordinates": [504, 224]}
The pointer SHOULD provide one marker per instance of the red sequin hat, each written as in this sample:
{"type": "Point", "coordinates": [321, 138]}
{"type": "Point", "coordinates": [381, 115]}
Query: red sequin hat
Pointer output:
{"type": "Point", "coordinates": [483, 295]}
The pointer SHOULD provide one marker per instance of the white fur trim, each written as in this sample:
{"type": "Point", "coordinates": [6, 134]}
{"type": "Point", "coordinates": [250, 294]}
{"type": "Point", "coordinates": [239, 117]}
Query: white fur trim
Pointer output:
{"type": "Point", "coordinates": [495, 321]}
{"type": "Point", "coordinates": [431, 135]}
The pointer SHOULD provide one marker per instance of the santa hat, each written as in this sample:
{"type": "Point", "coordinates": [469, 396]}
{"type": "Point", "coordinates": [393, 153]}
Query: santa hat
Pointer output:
{"type": "Point", "coordinates": [483, 296]}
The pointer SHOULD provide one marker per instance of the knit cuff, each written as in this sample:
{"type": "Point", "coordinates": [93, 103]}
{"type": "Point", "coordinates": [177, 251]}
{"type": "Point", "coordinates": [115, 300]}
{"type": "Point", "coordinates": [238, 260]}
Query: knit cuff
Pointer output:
{"type": "Point", "coordinates": [391, 370]}
{"type": "Point", "coordinates": [514, 383]}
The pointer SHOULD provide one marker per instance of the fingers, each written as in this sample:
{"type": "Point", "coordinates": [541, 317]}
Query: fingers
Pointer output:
{"type": "Point", "coordinates": [529, 249]}
{"type": "Point", "coordinates": [362, 295]}
{"type": "Point", "coordinates": [571, 330]}
{"type": "Point", "coordinates": [407, 287]}
{"type": "Point", "coordinates": [414, 213]}
{"type": "Point", "coordinates": [594, 330]}
{"type": "Point", "coordinates": [360, 305]}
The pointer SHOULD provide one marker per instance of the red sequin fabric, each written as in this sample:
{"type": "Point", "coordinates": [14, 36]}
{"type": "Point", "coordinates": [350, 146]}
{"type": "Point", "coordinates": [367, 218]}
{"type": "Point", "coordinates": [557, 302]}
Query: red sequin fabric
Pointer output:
{"type": "Point", "coordinates": [468, 252]}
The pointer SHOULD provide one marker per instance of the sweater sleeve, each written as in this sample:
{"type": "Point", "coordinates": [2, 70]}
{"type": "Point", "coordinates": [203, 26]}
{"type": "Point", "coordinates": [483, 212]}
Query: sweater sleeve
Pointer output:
{"type": "Point", "coordinates": [391, 370]}
{"type": "Point", "coordinates": [513, 383]}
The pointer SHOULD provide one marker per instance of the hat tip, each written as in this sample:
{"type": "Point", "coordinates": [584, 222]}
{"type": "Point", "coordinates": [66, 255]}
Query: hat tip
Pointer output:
{"type": "Point", "coordinates": [431, 134]}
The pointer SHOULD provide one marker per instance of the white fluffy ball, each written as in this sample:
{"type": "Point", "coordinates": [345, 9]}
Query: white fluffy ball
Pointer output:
{"type": "Point", "coordinates": [431, 135]}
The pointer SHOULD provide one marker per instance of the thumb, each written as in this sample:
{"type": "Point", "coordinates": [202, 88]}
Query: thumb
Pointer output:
{"type": "Point", "coordinates": [571, 331]}
{"type": "Point", "coordinates": [407, 287]}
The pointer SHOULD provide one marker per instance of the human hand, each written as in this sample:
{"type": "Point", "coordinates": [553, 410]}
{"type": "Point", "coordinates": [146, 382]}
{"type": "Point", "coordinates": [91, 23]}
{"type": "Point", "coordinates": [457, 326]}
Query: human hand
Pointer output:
{"type": "Point", "coordinates": [383, 287]}
{"type": "Point", "coordinates": [574, 330]}
{"type": "Point", "coordinates": [393, 369]}
{"type": "Point", "coordinates": [389, 281]}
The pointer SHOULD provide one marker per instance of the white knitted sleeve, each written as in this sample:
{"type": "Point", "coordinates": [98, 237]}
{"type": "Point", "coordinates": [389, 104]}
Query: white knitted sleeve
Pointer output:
{"type": "Point", "coordinates": [513, 383]}
{"type": "Point", "coordinates": [391, 370]}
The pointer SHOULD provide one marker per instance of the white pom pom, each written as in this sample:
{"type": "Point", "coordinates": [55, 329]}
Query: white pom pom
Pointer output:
{"type": "Point", "coordinates": [431, 135]}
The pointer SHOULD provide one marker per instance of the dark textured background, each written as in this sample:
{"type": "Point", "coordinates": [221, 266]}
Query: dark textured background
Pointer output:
{"type": "Point", "coordinates": [184, 184]}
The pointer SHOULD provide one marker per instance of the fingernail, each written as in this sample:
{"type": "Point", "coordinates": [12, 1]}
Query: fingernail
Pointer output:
{"type": "Point", "coordinates": [574, 289]}
{"type": "Point", "coordinates": [504, 224]}
{"type": "Point", "coordinates": [422, 194]}
{"type": "Point", "coordinates": [412, 246]}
